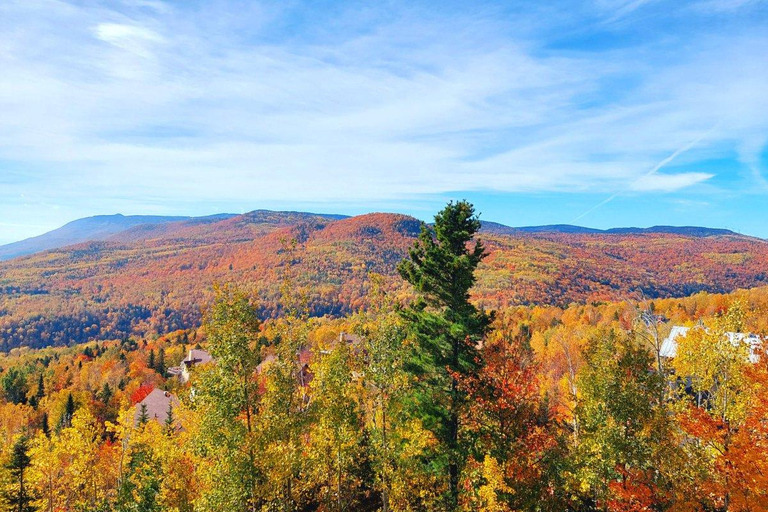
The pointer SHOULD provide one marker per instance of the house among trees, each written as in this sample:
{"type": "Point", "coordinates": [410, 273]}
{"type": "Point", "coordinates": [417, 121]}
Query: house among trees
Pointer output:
{"type": "Point", "coordinates": [303, 373]}
{"type": "Point", "coordinates": [669, 345]}
{"type": "Point", "coordinates": [158, 405]}
{"type": "Point", "coordinates": [195, 357]}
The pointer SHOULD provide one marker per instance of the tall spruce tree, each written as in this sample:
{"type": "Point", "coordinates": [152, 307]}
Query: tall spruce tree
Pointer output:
{"type": "Point", "coordinates": [18, 496]}
{"type": "Point", "coordinates": [446, 328]}
{"type": "Point", "coordinates": [160, 367]}
{"type": "Point", "coordinates": [69, 412]}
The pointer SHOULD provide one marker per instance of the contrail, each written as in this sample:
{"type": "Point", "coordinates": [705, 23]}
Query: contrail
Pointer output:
{"type": "Point", "coordinates": [649, 173]}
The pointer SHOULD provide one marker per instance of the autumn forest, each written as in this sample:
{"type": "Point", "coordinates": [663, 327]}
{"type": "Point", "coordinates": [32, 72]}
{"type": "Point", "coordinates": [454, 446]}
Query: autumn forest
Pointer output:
{"type": "Point", "coordinates": [294, 362]}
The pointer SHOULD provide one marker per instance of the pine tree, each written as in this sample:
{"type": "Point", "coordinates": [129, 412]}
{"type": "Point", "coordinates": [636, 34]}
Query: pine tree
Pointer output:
{"type": "Point", "coordinates": [106, 393]}
{"type": "Point", "coordinates": [170, 420]}
{"type": "Point", "coordinates": [160, 367]}
{"type": "Point", "coordinates": [18, 497]}
{"type": "Point", "coordinates": [445, 325]}
{"type": "Point", "coordinates": [69, 412]}
{"type": "Point", "coordinates": [143, 414]}
{"type": "Point", "coordinates": [151, 360]}
{"type": "Point", "coordinates": [44, 425]}
{"type": "Point", "coordinates": [40, 388]}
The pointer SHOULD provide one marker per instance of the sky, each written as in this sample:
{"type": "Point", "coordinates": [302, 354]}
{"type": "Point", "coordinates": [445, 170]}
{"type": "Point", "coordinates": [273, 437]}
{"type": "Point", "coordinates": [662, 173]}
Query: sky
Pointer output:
{"type": "Point", "coordinates": [601, 113]}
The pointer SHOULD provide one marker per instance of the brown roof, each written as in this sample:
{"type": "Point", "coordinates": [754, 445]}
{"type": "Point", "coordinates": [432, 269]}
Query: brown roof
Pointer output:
{"type": "Point", "coordinates": [197, 356]}
{"type": "Point", "coordinates": [157, 405]}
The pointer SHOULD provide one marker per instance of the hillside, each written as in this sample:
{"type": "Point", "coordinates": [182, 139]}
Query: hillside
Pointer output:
{"type": "Point", "coordinates": [152, 278]}
{"type": "Point", "coordinates": [95, 228]}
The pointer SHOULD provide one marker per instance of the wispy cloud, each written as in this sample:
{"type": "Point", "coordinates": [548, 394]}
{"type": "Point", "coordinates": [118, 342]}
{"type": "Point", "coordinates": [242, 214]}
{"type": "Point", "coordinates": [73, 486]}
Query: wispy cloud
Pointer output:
{"type": "Point", "coordinates": [146, 106]}
{"type": "Point", "coordinates": [132, 38]}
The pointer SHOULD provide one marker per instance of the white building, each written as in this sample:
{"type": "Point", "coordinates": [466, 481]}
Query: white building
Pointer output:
{"type": "Point", "coordinates": [669, 345]}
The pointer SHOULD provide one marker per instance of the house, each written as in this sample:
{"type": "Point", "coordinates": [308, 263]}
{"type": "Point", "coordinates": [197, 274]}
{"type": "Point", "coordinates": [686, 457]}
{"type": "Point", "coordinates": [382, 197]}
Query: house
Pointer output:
{"type": "Point", "coordinates": [156, 406]}
{"type": "Point", "coordinates": [669, 345]}
{"type": "Point", "coordinates": [303, 373]}
{"type": "Point", "coordinates": [195, 357]}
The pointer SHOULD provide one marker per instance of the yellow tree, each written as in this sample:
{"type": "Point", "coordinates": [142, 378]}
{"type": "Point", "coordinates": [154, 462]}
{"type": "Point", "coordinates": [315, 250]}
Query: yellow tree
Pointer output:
{"type": "Point", "coordinates": [338, 458]}
{"type": "Point", "coordinates": [725, 422]}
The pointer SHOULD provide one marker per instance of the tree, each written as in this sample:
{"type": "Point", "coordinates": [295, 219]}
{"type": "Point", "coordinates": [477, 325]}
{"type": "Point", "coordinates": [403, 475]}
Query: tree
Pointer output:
{"type": "Point", "coordinates": [143, 415]}
{"type": "Point", "coordinates": [727, 416]}
{"type": "Point", "coordinates": [446, 327]}
{"type": "Point", "coordinates": [69, 412]}
{"type": "Point", "coordinates": [170, 420]}
{"type": "Point", "coordinates": [14, 384]}
{"type": "Point", "coordinates": [106, 394]}
{"type": "Point", "coordinates": [517, 441]}
{"type": "Point", "coordinates": [384, 376]}
{"type": "Point", "coordinates": [160, 367]}
{"type": "Point", "coordinates": [336, 447]}
{"type": "Point", "coordinates": [40, 394]}
{"type": "Point", "coordinates": [19, 497]}
{"type": "Point", "coordinates": [625, 440]}
{"type": "Point", "coordinates": [226, 397]}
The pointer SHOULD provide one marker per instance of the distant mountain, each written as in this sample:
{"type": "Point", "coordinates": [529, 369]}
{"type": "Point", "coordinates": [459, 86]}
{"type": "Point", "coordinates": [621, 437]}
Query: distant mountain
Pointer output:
{"type": "Point", "coordinates": [155, 278]}
{"type": "Point", "coordinates": [496, 228]}
{"type": "Point", "coordinates": [676, 230]}
{"type": "Point", "coordinates": [132, 228]}
{"type": "Point", "coordinates": [95, 228]}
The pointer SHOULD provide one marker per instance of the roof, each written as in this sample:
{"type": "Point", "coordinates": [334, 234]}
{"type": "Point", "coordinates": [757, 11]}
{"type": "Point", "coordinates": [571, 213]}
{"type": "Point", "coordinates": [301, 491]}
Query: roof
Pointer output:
{"type": "Point", "coordinates": [197, 356]}
{"type": "Point", "coordinates": [669, 345]}
{"type": "Point", "coordinates": [157, 405]}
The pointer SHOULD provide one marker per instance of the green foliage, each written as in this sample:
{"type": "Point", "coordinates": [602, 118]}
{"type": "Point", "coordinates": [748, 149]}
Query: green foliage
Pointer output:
{"type": "Point", "coordinates": [18, 496]}
{"type": "Point", "coordinates": [227, 400]}
{"type": "Point", "coordinates": [446, 327]}
{"type": "Point", "coordinates": [624, 441]}
{"type": "Point", "coordinates": [14, 385]}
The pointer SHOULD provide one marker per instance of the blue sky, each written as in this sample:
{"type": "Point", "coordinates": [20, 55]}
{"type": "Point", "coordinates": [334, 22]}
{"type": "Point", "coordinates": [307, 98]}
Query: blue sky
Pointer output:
{"type": "Point", "coordinates": [600, 112]}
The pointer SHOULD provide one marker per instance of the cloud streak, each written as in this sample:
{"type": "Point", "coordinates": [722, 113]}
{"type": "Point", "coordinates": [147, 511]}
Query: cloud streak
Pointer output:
{"type": "Point", "coordinates": [668, 183]}
{"type": "Point", "coordinates": [149, 107]}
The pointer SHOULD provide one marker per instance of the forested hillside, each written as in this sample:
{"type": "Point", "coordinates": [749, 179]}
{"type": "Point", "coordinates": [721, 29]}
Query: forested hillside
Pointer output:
{"type": "Point", "coordinates": [152, 279]}
{"type": "Point", "coordinates": [565, 417]}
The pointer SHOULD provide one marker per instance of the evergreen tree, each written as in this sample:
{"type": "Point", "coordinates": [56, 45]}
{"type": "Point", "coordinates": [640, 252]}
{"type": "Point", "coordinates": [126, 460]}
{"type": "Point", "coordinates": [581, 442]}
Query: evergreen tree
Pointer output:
{"type": "Point", "coordinates": [143, 414]}
{"type": "Point", "coordinates": [40, 388]}
{"type": "Point", "coordinates": [44, 425]}
{"type": "Point", "coordinates": [160, 367]}
{"type": "Point", "coordinates": [446, 327]}
{"type": "Point", "coordinates": [19, 497]}
{"type": "Point", "coordinates": [170, 420]}
{"type": "Point", "coordinates": [69, 412]}
{"type": "Point", "coordinates": [151, 360]}
{"type": "Point", "coordinates": [106, 394]}
{"type": "Point", "coordinates": [14, 386]}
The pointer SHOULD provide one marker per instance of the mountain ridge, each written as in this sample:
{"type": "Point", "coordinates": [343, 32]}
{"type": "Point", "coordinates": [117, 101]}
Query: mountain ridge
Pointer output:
{"type": "Point", "coordinates": [155, 279]}
{"type": "Point", "coordinates": [117, 226]}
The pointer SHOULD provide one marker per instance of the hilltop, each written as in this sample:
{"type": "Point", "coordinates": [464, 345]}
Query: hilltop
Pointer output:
{"type": "Point", "coordinates": [152, 277]}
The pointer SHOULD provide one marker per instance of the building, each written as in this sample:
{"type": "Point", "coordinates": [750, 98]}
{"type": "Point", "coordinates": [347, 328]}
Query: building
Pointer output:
{"type": "Point", "coordinates": [669, 345]}
{"type": "Point", "coordinates": [196, 357]}
{"type": "Point", "coordinates": [156, 405]}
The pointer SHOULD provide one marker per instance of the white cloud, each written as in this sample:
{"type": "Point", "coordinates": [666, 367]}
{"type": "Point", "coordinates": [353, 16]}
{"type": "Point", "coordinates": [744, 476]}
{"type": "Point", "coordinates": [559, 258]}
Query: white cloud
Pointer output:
{"type": "Point", "coordinates": [669, 182]}
{"type": "Point", "coordinates": [132, 38]}
{"type": "Point", "coordinates": [181, 105]}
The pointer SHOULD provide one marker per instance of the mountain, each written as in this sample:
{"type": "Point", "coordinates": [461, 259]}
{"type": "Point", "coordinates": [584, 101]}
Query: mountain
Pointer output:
{"type": "Point", "coordinates": [136, 227]}
{"type": "Point", "coordinates": [154, 278]}
{"type": "Point", "coordinates": [96, 228]}
{"type": "Point", "coordinates": [494, 227]}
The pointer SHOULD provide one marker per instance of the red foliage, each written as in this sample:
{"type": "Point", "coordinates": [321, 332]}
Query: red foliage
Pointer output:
{"type": "Point", "coordinates": [141, 393]}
